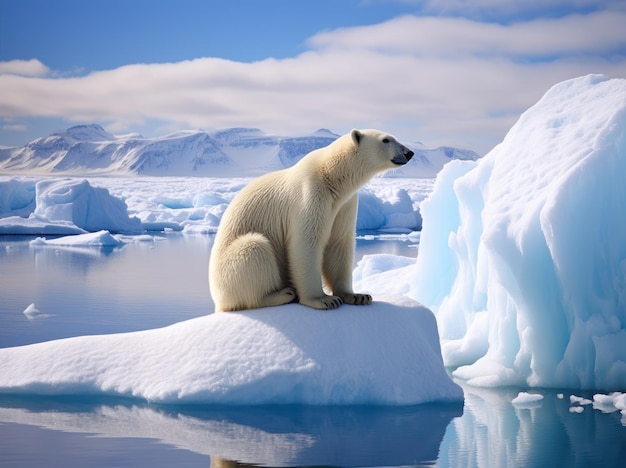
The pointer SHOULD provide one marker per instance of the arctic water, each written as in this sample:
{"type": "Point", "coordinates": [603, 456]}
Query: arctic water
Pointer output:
{"type": "Point", "coordinates": [162, 280]}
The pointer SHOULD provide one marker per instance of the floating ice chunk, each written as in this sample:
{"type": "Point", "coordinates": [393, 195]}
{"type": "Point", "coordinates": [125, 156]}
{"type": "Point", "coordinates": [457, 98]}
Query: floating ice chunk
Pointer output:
{"type": "Point", "coordinates": [524, 398]}
{"type": "Point", "coordinates": [383, 354]}
{"type": "Point", "coordinates": [91, 239]}
{"type": "Point", "coordinates": [32, 313]}
{"type": "Point", "coordinates": [573, 399]}
{"type": "Point", "coordinates": [611, 403]}
{"type": "Point", "coordinates": [576, 409]}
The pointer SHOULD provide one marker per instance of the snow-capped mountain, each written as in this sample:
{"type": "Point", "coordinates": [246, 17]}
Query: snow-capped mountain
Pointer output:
{"type": "Point", "coordinates": [90, 150]}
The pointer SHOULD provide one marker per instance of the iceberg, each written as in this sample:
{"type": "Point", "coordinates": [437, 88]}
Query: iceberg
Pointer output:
{"type": "Point", "coordinates": [90, 208]}
{"type": "Point", "coordinates": [384, 354]}
{"type": "Point", "coordinates": [522, 255]}
{"type": "Point", "coordinates": [62, 207]}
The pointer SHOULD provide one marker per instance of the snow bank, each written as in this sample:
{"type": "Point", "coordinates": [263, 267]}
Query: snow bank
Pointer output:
{"type": "Point", "coordinates": [382, 274]}
{"type": "Point", "coordinates": [523, 256]}
{"type": "Point", "coordinates": [387, 353]}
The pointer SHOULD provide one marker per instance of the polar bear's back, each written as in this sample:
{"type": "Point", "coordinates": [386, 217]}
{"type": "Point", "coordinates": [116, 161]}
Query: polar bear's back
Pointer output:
{"type": "Point", "coordinates": [263, 206]}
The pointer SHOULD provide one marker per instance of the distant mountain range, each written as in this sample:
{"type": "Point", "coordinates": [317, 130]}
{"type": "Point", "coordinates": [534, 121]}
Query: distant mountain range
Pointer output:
{"type": "Point", "coordinates": [90, 150]}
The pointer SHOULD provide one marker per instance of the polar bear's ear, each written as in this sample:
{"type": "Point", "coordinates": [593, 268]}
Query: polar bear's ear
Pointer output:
{"type": "Point", "coordinates": [356, 137]}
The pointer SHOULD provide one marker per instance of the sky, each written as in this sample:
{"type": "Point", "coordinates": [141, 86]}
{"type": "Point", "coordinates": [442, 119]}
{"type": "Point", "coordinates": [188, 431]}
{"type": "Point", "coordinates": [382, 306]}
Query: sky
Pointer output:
{"type": "Point", "coordinates": [454, 73]}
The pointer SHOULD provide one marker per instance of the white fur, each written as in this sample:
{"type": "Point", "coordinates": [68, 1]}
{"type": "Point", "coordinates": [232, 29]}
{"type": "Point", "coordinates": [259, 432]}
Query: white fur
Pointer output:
{"type": "Point", "coordinates": [287, 230]}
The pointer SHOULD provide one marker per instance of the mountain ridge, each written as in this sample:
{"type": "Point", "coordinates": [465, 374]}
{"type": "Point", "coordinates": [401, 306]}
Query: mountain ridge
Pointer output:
{"type": "Point", "coordinates": [88, 149]}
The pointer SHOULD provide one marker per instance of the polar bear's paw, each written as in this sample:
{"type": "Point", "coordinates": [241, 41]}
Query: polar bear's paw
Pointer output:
{"type": "Point", "coordinates": [323, 303]}
{"type": "Point", "coordinates": [284, 296]}
{"type": "Point", "coordinates": [357, 299]}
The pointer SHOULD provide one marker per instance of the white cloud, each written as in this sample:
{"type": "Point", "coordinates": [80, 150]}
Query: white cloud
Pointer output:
{"type": "Point", "coordinates": [438, 80]}
{"type": "Point", "coordinates": [509, 9]}
{"type": "Point", "coordinates": [31, 67]}
{"type": "Point", "coordinates": [575, 35]}
{"type": "Point", "coordinates": [14, 127]}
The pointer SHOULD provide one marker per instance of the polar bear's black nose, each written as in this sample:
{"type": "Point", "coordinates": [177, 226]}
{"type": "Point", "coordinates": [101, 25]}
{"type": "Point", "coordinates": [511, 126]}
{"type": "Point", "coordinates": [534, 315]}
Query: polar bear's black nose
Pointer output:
{"type": "Point", "coordinates": [408, 155]}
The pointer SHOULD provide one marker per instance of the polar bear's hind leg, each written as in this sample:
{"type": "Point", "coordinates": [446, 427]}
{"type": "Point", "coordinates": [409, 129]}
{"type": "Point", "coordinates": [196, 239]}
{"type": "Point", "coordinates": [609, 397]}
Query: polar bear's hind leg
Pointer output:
{"type": "Point", "coordinates": [248, 276]}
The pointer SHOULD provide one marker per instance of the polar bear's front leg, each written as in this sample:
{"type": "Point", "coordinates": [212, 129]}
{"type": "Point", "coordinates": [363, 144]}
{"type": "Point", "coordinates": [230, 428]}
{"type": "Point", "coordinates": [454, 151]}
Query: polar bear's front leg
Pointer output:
{"type": "Point", "coordinates": [339, 255]}
{"type": "Point", "coordinates": [305, 262]}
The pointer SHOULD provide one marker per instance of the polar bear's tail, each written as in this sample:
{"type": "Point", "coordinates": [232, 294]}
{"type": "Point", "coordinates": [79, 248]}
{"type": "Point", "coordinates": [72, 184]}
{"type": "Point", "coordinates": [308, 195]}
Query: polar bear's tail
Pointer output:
{"type": "Point", "coordinates": [245, 275]}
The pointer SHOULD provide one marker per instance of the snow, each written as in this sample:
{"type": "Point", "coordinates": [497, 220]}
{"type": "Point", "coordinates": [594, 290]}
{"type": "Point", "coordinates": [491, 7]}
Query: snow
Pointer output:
{"type": "Point", "coordinates": [389, 356]}
{"type": "Point", "coordinates": [93, 239]}
{"type": "Point", "coordinates": [521, 259]}
{"type": "Point", "coordinates": [522, 256]}
{"type": "Point", "coordinates": [53, 206]}
{"type": "Point", "coordinates": [234, 152]}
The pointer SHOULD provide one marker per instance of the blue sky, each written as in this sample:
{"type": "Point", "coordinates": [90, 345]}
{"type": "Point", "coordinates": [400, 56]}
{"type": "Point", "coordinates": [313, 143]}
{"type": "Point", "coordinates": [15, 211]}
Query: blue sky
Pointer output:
{"type": "Point", "coordinates": [454, 72]}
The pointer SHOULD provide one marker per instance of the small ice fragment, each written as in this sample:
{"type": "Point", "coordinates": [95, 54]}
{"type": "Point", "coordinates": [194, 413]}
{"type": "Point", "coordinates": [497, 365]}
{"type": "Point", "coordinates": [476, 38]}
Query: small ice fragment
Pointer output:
{"type": "Point", "coordinates": [524, 398]}
{"type": "Point", "coordinates": [576, 409]}
{"type": "Point", "coordinates": [573, 399]}
{"type": "Point", "coordinates": [32, 312]}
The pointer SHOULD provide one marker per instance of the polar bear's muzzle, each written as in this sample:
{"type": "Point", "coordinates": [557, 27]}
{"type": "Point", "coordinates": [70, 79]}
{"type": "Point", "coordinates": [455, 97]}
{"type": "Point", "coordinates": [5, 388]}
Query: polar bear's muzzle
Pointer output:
{"type": "Point", "coordinates": [403, 157]}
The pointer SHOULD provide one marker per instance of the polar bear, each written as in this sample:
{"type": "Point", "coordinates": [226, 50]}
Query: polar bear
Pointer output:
{"type": "Point", "coordinates": [289, 232]}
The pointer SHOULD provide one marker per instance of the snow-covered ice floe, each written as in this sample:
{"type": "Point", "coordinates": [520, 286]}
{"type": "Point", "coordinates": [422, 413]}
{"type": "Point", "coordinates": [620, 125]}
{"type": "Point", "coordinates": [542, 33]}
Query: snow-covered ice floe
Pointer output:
{"type": "Point", "coordinates": [384, 354]}
{"type": "Point", "coordinates": [523, 254]}
{"type": "Point", "coordinates": [92, 239]}
{"type": "Point", "coordinates": [66, 206]}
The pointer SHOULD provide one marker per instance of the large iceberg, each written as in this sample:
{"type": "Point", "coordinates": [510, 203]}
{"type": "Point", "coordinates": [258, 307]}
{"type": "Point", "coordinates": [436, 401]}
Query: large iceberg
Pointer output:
{"type": "Point", "coordinates": [523, 254]}
{"type": "Point", "coordinates": [384, 354]}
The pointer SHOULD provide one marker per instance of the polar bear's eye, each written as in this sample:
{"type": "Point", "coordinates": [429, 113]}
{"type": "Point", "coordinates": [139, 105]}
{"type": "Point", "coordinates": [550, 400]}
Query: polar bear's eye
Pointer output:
{"type": "Point", "coordinates": [385, 140]}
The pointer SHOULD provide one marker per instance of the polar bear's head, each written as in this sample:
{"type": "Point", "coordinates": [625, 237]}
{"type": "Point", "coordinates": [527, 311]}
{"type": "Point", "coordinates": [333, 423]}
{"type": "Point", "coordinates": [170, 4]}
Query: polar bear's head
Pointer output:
{"type": "Point", "coordinates": [382, 150]}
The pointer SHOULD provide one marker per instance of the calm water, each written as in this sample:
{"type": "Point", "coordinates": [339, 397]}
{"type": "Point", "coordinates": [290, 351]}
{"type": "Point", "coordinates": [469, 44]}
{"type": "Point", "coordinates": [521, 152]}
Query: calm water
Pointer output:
{"type": "Point", "coordinates": [162, 281]}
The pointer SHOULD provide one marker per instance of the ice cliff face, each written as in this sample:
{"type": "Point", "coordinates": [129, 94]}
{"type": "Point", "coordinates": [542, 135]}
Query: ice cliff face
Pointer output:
{"type": "Point", "coordinates": [522, 255]}
{"type": "Point", "coordinates": [89, 149]}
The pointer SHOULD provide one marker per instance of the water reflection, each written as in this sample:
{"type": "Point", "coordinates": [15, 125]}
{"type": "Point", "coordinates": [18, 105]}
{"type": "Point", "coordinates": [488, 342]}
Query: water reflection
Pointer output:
{"type": "Point", "coordinates": [274, 436]}
{"type": "Point", "coordinates": [142, 285]}
{"type": "Point", "coordinates": [488, 431]}
{"type": "Point", "coordinates": [494, 432]}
